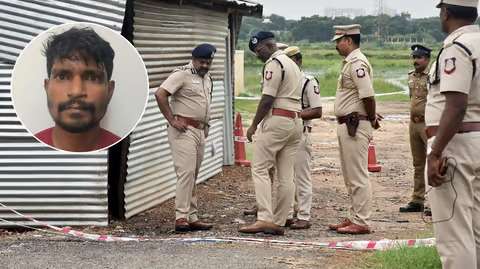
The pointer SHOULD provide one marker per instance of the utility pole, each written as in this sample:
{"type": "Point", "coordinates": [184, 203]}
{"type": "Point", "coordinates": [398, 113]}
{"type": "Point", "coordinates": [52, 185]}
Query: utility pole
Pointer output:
{"type": "Point", "coordinates": [380, 11]}
{"type": "Point", "coordinates": [379, 7]}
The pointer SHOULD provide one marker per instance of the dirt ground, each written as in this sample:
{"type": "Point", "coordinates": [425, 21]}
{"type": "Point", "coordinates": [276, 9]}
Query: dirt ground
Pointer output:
{"type": "Point", "coordinates": [223, 198]}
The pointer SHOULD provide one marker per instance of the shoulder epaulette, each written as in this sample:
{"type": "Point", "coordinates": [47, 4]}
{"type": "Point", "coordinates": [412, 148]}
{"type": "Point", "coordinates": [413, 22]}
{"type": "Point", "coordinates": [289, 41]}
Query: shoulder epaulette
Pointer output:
{"type": "Point", "coordinates": [279, 62]}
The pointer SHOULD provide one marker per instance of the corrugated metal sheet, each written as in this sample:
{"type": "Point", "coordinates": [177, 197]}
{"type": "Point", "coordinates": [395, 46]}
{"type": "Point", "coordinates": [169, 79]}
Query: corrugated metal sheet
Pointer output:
{"type": "Point", "coordinates": [165, 35]}
{"type": "Point", "coordinates": [21, 20]}
{"type": "Point", "coordinates": [10, 126]}
{"type": "Point", "coordinates": [60, 188]}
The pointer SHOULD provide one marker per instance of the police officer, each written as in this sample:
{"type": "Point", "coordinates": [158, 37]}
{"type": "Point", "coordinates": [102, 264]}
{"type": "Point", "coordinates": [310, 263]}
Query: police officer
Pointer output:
{"type": "Point", "coordinates": [276, 131]}
{"type": "Point", "coordinates": [356, 116]}
{"type": "Point", "coordinates": [311, 109]}
{"type": "Point", "coordinates": [453, 130]}
{"type": "Point", "coordinates": [191, 89]}
{"type": "Point", "coordinates": [417, 83]}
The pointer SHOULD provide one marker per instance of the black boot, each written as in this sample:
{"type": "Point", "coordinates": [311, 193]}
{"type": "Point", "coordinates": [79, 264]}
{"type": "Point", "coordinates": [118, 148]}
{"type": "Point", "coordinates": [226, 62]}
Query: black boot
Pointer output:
{"type": "Point", "coordinates": [412, 207]}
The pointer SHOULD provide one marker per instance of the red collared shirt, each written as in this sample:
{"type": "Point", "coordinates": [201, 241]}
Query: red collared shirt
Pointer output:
{"type": "Point", "coordinates": [105, 138]}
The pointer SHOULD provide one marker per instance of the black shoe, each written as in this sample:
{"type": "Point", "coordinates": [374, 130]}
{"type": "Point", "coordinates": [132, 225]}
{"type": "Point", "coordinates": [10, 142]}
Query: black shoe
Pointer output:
{"type": "Point", "coordinates": [412, 207]}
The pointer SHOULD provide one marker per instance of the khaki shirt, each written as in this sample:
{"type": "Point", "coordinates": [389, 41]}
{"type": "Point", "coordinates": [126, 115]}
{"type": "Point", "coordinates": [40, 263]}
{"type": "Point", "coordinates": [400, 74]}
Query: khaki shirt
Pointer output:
{"type": "Point", "coordinates": [455, 71]}
{"type": "Point", "coordinates": [287, 92]}
{"type": "Point", "coordinates": [354, 83]}
{"type": "Point", "coordinates": [418, 84]}
{"type": "Point", "coordinates": [191, 93]}
{"type": "Point", "coordinates": [310, 95]}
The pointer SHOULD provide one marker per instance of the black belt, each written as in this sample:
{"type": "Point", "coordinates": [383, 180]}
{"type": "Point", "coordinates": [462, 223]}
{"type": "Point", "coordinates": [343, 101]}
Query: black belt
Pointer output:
{"type": "Point", "coordinates": [344, 119]}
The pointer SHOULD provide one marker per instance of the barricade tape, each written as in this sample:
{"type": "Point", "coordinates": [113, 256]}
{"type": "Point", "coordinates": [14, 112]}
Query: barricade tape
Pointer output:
{"type": "Point", "coordinates": [383, 244]}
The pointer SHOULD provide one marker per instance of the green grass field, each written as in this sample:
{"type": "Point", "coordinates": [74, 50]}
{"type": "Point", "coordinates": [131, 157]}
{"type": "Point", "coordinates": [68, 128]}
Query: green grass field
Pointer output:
{"type": "Point", "coordinates": [404, 258]}
{"type": "Point", "coordinates": [325, 63]}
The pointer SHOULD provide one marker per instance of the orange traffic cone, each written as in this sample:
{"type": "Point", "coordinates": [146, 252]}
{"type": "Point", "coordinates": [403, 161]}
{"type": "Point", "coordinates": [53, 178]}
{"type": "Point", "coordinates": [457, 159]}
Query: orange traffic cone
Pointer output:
{"type": "Point", "coordinates": [240, 140]}
{"type": "Point", "coordinates": [373, 166]}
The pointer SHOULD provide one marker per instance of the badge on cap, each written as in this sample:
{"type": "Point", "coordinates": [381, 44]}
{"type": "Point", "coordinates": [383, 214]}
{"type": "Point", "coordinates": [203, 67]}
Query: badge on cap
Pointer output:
{"type": "Point", "coordinates": [360, 72]}
{"type": "Point", "coordinates": [316, 90]}
{"type": "Point", "coordinates": [268, 75]}
{"type": "Point", "coordinates": [254, 40]}
{"type": "Point", "coordinates": [450, 66]}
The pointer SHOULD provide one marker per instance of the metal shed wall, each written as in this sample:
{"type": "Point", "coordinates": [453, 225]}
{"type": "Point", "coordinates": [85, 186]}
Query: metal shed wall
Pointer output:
{"type": "Point", "coordinates": [165, 34]}
{"type": "Point", "coordinates": [22, 20]}
{"type": "Point", "coordinates": [60, 188]}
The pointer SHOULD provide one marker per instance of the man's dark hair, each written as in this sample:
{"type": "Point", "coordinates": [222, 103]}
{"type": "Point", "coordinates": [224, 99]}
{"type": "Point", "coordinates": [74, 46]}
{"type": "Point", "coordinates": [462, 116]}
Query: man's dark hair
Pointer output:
{"type": "Point", "coordinates": [356, 39]}
{"type": "Point", "coordinates": [460, 12]}
{"type": "Point", "coordinates": [84, 41]}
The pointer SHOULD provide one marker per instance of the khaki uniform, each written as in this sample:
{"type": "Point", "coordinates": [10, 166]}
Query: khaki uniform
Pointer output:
{"type": "Point", "coordinates": [191, 97]}
{"type": "Point", "coordinates": [277, 138]}
{"type": "Point", "coordinates": [354, 84]}
{"type": "Point", "coordinates": [458, 235]}
{"type": "Point", "coordinates": [417, 83]}
{"type": "Point", "coordinates": [303, 179]}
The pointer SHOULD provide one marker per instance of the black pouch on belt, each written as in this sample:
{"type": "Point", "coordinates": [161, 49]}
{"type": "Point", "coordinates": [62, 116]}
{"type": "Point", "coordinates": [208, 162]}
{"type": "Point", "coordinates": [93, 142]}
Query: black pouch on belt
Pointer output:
{"type": "Point", "coordinates": [352, 123]}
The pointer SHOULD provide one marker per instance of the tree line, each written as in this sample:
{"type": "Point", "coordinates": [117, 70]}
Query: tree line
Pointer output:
{"type": "Point", "coordinates": [381, 29]}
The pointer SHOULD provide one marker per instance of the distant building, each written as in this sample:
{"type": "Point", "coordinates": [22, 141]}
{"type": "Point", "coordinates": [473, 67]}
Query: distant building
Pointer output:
{"type": "Point", "coordinates": [344, 12]}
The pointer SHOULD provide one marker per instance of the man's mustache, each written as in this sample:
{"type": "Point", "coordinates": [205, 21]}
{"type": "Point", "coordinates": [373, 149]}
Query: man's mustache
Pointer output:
{"type": "Point", "coordinates": [79, 104]}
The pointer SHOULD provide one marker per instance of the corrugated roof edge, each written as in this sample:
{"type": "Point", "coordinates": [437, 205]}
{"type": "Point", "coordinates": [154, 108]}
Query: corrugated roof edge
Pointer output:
{"type": "Point", "coordinates": [243, 7]}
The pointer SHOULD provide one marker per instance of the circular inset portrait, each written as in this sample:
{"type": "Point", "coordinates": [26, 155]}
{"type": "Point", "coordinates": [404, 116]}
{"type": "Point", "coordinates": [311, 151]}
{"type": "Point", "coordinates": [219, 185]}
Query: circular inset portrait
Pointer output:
{"type": "Point", "coordinates": [79, 87]}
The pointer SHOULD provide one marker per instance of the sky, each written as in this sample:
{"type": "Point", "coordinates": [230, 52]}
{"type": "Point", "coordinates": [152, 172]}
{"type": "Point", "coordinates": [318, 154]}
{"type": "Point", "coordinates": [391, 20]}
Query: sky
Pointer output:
{"type": "Point", "coordinates": [297, 8]}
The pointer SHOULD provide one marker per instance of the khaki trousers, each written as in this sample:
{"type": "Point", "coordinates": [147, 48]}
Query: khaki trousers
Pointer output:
{"type": "Point", "coordinates": [187, 152]}
{"type": "Point", "coordinates": [303, 179]}
{"type": "Point", "coordinates": [418, 146]}
{"type": "Point", "coordinates": [354, 159]}
{"type": "Point", "coordinates": [275, 144]}
{"type": "Point", "coordinates": [458, 235]}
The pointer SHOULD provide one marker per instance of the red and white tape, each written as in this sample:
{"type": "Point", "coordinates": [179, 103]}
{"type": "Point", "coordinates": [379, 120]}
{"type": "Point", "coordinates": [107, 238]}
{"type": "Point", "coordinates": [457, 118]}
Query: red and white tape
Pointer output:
{"type": "Point", "coordinates": [383, 244]}
{"type": "Point", "coordinates": [70, 232]}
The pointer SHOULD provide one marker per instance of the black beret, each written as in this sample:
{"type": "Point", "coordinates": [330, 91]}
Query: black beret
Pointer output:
{"type": "Point", "coordinates": [419, 50]}
{"type": "Point", "coordinates": [259, 37]}
{"type": "Point", "coordinates": [204, 51]}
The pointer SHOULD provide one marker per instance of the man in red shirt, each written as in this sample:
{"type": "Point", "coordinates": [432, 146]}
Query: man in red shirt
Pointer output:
{"type": "Point", "coordinates": [79, 89]}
